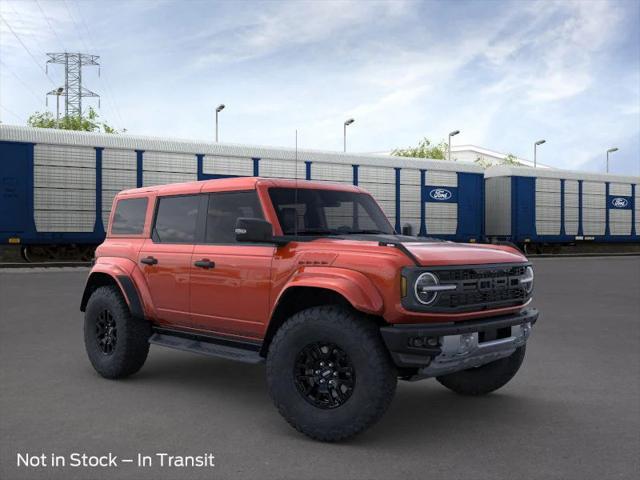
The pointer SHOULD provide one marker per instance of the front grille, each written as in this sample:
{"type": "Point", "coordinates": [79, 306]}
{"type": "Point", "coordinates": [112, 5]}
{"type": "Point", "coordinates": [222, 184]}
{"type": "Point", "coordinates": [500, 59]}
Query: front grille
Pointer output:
{"type": "Point", "coordinates": [516, 295]}
{"type": "Point", "coordinates": [457, 275]}
{"type": "Point", "coordinates": [481, 287]}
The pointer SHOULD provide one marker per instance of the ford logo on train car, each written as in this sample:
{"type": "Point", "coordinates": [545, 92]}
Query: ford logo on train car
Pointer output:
{"type": "Point", "coordinates": [619, 202]}
{"type": "Point", "coordinates": [440, 194]}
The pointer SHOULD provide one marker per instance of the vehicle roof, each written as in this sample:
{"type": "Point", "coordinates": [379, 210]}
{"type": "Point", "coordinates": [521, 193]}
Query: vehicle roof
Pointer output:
{"type": "Point", "coordinates": [238, 183]}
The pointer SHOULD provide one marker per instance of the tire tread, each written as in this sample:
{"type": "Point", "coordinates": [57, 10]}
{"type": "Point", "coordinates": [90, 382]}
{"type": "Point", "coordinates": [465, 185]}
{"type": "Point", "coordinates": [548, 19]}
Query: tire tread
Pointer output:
{"type": "Point", "coordinates": [133, 336]}
{"type": "Point", "coordinates": [354, 325]}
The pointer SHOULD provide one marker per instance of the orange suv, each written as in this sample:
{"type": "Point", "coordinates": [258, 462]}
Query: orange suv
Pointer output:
{"type": "Point", "coordinates": [310, 278]}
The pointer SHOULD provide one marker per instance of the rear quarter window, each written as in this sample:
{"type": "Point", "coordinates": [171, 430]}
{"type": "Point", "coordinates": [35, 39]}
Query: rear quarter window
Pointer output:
{"type": "Point", "coordinates": [129, 216]}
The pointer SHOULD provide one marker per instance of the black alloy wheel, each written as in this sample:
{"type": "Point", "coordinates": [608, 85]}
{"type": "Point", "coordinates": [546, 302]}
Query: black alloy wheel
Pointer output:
{"type": "Point", "coordinates": [106, 332]}
{"type": "Point", "coordinates": [324, 375]}
{"type": "Point", "coordinates": [312, 364]}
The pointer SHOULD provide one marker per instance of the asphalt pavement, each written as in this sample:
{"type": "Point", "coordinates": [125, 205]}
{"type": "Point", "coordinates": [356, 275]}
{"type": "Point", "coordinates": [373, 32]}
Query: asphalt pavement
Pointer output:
{"type": "Point", "coordinates": [572, 412]}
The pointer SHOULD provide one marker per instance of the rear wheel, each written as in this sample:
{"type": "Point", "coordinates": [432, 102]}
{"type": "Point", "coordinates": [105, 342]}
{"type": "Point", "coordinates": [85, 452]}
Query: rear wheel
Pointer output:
{"type": "Point", "coordinates": [117, 345]}
{"type": "Point", "coordinates": [329, 374]}
{"type": "Point", "coordinates": [484, 379]}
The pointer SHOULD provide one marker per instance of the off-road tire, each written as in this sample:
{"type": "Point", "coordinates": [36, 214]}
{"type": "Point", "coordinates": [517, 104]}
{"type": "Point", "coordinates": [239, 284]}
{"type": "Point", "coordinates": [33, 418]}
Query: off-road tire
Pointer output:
{"type": "Point", "coordinates": [484, 379]}
{"type": "Point", "coordinates": [131, 346]}
{"type": "Point", "coordinates": [375, 375]}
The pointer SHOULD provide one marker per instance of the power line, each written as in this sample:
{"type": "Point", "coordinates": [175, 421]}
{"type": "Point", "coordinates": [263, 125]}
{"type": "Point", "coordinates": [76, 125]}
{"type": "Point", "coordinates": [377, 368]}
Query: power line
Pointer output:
{"type": "Point", "coordinates": [110, 96]}
{"type": "Point", "coordinates": [75, 25]}
{"type": "Point", "coordinates": [21, 22]}
{"type": "Point", "coordinates": [51, 26]}
{"type": "Point", "coordinates": [35, 95]}
{"type": "Point", "coordinates": [9, 111]}
{"type": "Point", "coordinates": [28, 51]}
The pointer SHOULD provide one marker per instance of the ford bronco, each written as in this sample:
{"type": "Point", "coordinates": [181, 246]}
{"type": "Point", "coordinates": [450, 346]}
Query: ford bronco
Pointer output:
{"type": "Point", "coordinates": [311, 279]}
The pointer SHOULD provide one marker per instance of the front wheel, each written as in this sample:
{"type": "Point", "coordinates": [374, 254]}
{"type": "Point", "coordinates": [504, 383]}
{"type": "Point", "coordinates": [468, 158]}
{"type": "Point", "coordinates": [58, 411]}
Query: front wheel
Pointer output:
{"type": "Point", "coordinates": [329, 374]}
{"type": "Point", "coordinates": [484, 379]}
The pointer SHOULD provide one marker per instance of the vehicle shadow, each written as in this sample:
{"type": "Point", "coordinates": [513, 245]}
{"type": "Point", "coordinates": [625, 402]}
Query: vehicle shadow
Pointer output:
{"type": "Point", "coordinates": [422, 411]}
{"type": "Point", "coordinates": [428, 412]}
{"type": "Point", "coordinates": [201, 374]}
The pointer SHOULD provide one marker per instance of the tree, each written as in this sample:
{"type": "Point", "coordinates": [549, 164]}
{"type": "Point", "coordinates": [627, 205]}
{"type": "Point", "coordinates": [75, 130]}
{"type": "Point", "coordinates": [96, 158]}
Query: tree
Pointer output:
{"type": "Point", "coordinates": [483, 162]}
{"type": "Point", "coordinates": [425, 149]}
{"type": "Point", "coordinates": [510, 159]}
{"type": "Point", "coordinates": [88, 123]}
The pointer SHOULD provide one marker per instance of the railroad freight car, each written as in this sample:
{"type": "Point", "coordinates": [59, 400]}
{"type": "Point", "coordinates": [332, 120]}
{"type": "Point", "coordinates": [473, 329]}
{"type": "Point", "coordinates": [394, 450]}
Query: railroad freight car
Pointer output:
{"type": "Point", "coordinates": [553, 207]}
{"type": "Point", "coordinates": [57, 186]}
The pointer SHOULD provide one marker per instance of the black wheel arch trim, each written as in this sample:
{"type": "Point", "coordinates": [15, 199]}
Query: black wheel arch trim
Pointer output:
{"type": "Point", "coordinates": [128, 289]}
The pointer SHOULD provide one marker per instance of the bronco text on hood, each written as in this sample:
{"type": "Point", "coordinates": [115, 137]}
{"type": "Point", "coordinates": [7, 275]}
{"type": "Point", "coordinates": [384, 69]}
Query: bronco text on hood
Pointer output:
{"type": "Point", "coordinates": [310, 278]}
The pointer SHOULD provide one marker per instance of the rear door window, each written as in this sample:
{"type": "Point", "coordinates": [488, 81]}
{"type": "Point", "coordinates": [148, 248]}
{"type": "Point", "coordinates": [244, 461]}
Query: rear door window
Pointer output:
{"type": "Point", "coordinates": [176, 219]}
{"type": "Point", "coordinates": [129, 216]}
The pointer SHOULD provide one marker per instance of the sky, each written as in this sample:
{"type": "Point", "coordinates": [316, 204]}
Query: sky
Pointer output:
{"type": "Point", "coordinates": [503, 73]}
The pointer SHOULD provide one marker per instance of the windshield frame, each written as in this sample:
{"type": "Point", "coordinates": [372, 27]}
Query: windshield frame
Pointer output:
{"type": "Point", "coordinates": [374, 214]}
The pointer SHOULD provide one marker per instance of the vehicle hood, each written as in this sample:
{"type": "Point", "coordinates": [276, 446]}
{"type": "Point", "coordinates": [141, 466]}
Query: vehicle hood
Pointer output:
{"type": "Point", "coordinates": [430, 251]}
{"type": "Point", "coordinates": [449, 253]}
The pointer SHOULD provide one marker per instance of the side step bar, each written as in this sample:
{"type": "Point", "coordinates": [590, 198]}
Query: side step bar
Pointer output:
{"type": "Point", "coordinates": [208, 345]}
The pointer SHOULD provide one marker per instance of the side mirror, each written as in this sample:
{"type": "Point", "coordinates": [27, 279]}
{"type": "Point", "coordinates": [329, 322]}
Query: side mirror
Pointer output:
{"type": "Point", "coordinates": [255, 230]}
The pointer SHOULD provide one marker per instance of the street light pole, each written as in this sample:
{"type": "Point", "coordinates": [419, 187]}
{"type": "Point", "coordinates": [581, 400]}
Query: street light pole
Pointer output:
{"type": "Point", "coordinates": [218, 110]}
{"type": "Point", "coordinates": [611, 150]}
{"type": "Point", "coordinates": [535, 152]}
{"type": "Point", "coordinates": [344, 136]}
{"type": "Point", "coordinates": [451, 134]}
{"type": "Point", "coordinates": [58, 93]}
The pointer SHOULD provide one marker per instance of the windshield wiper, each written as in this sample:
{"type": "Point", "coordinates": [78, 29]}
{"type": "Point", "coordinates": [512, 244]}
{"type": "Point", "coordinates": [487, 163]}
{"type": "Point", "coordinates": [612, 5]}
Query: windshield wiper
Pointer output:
{"type": "Point", "coordinates": [319, 231]}
{"type": "Point", "coordinates": [365, 232]}
{"type": "Point", "coordinates": [327, 231]}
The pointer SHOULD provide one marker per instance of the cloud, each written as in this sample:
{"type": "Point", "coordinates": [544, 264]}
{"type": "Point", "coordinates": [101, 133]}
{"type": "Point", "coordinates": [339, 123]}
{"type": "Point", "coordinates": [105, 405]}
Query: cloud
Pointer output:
{"type": "Point", "coordinates": [503, 73]}
{"type": "Point", "coordinates": [550, 57]}
{"type": "Point", "coordinates": [286, 25]}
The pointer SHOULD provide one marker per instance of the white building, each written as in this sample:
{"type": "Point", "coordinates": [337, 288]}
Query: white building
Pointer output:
{"type": "Point", "coordinates": [470, 153]}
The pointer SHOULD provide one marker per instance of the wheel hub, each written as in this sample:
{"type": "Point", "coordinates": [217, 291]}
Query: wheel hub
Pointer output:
{"type": "Point", "coordinates": [324, 375]}
{"type": "Point", "coordinates": [106, 332]}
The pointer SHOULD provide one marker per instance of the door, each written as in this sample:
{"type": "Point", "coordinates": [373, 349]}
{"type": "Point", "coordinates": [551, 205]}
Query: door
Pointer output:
{"type": "Point", "coordinates": [16, 168]}
{"type": "Point", "coordinates": [230, 282]}
{"type": "Point", "coordinates": [165, 258]}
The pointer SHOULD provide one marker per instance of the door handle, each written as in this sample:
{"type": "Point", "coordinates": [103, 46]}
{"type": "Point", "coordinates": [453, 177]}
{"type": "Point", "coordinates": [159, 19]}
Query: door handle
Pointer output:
{"type": "Point", "coordinates": [149, 261]}
{"type": "Point", "coordinates": [205, 263]}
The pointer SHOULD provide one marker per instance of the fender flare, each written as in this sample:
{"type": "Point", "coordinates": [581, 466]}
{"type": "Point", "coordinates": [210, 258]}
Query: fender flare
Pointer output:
{"type": "Point", "coordinates": [354, 286]}
{"type": "Point", "coordinates": [120, 275]}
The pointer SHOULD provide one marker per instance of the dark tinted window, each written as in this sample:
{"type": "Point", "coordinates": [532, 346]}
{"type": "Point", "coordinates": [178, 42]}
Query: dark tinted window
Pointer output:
{"type": "Point", "coordinates": [224, 209]}
{"type": "Point", "coordinates": [329, 212]}
{"type": "Point", "coordinates": [176, 219]}
{"type": "Point", "coordinates": [128, 218]}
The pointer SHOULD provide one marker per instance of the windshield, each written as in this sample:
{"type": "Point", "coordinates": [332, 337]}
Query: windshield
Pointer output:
{"type": "Point", "coordinates": [327, 212]}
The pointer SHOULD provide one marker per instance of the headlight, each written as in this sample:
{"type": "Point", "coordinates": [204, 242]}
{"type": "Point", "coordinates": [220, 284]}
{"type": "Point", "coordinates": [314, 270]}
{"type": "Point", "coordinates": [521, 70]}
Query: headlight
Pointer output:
{"type": "Point", "coordinates": [527, 280]}
{"type": "Point", "coordinates": [425, 290]}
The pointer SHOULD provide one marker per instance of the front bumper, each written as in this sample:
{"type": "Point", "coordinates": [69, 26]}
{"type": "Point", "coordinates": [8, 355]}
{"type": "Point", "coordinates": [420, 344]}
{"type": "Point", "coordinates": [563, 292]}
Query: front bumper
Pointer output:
{"type": "Point", "coordinates": [442, 348]}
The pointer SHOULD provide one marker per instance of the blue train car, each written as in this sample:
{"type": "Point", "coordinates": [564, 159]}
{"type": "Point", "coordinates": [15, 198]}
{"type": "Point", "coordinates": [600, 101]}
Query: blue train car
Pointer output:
{"type": "Point", "coordinates": [57, 186]}
{"type": "Point", "coordinates": [549, 206]}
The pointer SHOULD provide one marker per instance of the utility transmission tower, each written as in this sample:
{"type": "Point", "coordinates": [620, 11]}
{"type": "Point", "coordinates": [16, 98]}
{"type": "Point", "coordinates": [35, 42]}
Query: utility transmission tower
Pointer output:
{"type": "Point", "coordinates": [73, 90]}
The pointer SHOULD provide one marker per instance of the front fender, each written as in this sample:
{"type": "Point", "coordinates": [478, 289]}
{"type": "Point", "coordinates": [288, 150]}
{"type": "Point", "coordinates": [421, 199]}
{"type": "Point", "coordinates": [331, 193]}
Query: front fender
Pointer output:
{"type": "Point", "coordinates": [354, 286]}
